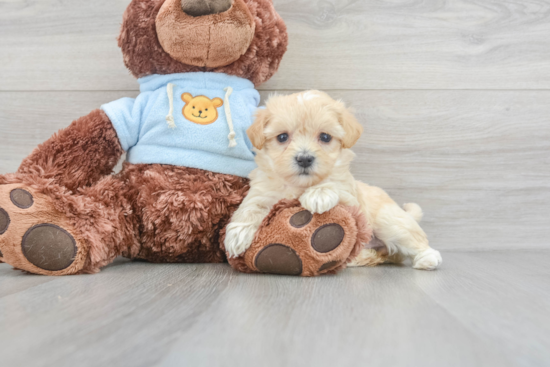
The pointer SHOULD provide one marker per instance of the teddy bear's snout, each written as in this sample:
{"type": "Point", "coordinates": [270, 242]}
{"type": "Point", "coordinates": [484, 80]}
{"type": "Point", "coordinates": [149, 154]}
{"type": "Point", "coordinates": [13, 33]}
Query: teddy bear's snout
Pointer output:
{"type": "Point", "coordinates": [205, 33]}
{"type": "Point", "coordinates": [197, 8]}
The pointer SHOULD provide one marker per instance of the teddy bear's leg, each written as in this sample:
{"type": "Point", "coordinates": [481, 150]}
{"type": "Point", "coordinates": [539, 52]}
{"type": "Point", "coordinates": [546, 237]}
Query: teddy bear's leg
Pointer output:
{"type": "Point", "coordinates": [46, 229]}
{"type": "Point", "coordinates": [77, 156]}
{"type": "Point", "coordinates": [183, 210]}
{"type": "Point", "coordinates": [293, 241]}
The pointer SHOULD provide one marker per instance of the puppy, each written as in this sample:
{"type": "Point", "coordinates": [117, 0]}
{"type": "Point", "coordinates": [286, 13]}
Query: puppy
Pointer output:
{"type": "Point", "coordinates": [303, 151]}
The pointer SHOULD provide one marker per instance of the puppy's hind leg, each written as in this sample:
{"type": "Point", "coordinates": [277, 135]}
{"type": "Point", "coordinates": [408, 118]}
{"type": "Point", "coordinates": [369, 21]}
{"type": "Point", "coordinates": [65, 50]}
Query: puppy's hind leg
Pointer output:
{"type": "Point", "coordinates": [402, 234]}
{"type": "Point", "coordinates": [375, 253]}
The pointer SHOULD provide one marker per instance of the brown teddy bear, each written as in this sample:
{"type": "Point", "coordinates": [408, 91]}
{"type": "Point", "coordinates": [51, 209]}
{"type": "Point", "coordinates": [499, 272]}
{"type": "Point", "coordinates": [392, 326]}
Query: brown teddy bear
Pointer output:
{"type": "Point", "coordinates": [188, 156]}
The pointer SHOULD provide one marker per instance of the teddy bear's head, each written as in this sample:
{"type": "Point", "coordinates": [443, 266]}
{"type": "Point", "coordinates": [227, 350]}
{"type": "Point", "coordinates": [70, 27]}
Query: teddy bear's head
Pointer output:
{"type": "Point", "coordinates": [245, 38]}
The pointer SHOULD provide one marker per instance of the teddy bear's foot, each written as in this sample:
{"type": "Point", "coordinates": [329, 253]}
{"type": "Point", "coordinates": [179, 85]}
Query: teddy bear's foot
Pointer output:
{"type": "Point", "coordinates": [293, 241]}
{"type": "Point", "coordinates": [34, 236]}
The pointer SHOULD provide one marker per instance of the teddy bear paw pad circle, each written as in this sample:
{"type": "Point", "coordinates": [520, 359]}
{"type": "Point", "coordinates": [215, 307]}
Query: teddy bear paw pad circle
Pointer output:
{"type": "Point", "coordinates": [279, 259]}
{"type": "Point", "coordinates": [49, 247]}
{"type": "Point", "coordinates": [301, 219]}
{"type": "Point", "coordinates": [4, 221]}
{"type": "Point", "coordinates": [21, 198]}
{"type": "Point", "coordinates": [327, 238]}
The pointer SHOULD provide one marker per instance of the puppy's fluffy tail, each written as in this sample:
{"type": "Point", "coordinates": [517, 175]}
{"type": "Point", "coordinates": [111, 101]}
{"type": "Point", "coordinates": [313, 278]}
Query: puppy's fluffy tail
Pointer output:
{"type": "Point", "coordinates": [414, 210]}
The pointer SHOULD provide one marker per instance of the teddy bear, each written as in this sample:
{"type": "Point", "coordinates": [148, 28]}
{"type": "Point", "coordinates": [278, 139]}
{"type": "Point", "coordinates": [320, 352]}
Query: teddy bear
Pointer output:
{"type": "Point", "coordinates": [198, 63]}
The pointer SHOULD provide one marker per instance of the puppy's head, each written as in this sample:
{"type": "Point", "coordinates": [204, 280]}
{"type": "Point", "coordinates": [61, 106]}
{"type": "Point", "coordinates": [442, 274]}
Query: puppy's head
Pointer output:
{"type": "Point", "coordinates": [303, 137]}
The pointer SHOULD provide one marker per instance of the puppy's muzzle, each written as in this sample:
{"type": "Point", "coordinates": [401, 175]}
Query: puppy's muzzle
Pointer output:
{"type": "Point", "coordinates": [305, 161]}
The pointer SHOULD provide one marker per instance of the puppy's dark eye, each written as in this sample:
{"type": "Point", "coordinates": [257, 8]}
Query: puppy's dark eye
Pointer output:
{"type": "Point", "coordinates": [282, 138]}
{"type": "Point", "coordinates": [325, 138]}
{"type": "Point", "coordinates": [193, 107]}
{"type": "Point", "coordinates": [206, 109]}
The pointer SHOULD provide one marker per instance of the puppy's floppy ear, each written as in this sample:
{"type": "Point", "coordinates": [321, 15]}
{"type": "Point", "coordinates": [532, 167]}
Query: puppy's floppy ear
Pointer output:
{"type": "Point", "coordinates": [351, 126]}
{"type": "Point", "coordinates": [256, 131]}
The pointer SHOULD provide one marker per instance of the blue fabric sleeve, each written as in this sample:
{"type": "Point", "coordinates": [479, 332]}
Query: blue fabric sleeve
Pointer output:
{"type": "Point", "coordinates": [125, 115]}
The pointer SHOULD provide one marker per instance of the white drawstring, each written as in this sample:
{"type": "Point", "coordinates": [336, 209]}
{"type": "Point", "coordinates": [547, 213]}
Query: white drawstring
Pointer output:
{"type": "Point", "coordinates": [227, 106]}
{"type": "Point", "coordinates": [170, 117]}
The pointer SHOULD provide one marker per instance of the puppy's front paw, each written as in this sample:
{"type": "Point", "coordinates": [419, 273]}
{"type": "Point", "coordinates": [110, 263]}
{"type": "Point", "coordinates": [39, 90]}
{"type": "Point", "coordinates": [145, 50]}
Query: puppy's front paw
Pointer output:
{"type": "Point", "coordinates": [319, 199]}
{"type": "Point", "coordinates": [427, 260]}
{"type": "Point", "coordinates": [239, 237]}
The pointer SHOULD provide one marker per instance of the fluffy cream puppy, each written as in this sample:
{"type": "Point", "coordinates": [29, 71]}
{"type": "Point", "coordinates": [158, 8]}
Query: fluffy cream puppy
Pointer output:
{"type": "Point", "coordinates": [303, 151]}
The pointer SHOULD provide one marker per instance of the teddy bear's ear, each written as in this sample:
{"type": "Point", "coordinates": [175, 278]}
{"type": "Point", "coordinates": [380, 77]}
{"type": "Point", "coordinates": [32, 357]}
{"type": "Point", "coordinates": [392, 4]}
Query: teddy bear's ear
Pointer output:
{"type": "Point", "coordinates": [187, 97]}
{"type": "Point", "coordinates": [256, 131]}
{"type": "Point", "coordinates": [218, 102]}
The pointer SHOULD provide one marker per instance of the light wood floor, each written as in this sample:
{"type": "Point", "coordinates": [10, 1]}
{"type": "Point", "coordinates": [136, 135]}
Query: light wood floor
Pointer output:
{"type": "Point", "coordinates": [480, 309]}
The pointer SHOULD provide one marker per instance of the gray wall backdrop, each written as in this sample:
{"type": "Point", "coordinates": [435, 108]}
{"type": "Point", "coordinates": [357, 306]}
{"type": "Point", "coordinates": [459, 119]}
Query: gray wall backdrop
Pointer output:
{"type": "Point", "coordinates": [454, 96]}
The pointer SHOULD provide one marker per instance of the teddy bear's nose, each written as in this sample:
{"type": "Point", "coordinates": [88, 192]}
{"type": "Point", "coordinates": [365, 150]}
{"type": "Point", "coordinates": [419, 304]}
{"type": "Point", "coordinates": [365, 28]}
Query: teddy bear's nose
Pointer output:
{"type": "Point", "coordinates": [197, 8]}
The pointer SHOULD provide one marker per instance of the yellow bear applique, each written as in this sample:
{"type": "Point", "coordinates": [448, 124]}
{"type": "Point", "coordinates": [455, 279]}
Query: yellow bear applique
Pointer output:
{"type": "Point", "coordinates": [201, 110]}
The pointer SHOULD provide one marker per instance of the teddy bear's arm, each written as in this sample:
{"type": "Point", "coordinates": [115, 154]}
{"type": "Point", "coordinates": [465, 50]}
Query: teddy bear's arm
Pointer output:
{"type": "Point", "coordinates": [79, 155]}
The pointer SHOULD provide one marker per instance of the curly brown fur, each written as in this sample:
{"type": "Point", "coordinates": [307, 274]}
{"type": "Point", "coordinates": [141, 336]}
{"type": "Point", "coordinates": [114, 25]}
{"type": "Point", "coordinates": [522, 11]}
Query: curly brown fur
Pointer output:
{"type": "Point", "coordinates": [79, 155]}
{"type": "Point", "coordinates": [143, 54]}
{"type": "Point", "coordinates": [157, 213]}
{"type": "Point", "coordinates": [182, 211]}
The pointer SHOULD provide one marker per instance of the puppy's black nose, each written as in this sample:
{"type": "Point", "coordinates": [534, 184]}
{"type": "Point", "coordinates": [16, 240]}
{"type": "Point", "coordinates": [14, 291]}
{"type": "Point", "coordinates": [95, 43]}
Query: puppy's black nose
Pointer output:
{"type": "Point", "coordinates": [305, 161]}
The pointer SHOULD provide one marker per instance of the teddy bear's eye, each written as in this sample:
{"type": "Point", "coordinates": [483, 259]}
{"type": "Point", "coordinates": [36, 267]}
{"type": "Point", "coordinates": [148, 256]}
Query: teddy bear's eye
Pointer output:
{"type": "Point", "coordinates": [193, 107]}
{"type": "Point", "coordinates": [206, 109]}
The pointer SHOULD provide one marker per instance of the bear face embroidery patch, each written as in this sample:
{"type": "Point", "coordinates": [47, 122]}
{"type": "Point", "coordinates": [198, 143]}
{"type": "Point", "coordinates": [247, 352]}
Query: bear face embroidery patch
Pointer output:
{"type": "Point", "coordinates": [201, 110]}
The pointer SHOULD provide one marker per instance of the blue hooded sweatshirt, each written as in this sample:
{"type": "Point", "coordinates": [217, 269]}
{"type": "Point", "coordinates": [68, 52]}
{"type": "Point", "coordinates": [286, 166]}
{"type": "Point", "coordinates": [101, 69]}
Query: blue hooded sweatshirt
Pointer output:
{"type": "Point", "coordinates": [194, 120]}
